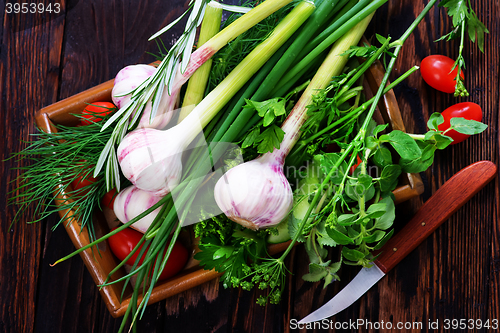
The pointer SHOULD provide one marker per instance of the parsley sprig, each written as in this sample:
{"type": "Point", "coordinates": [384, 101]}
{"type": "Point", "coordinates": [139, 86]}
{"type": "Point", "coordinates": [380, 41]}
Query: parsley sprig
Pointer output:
{"type": "Point", "coordinates": [240, 254]}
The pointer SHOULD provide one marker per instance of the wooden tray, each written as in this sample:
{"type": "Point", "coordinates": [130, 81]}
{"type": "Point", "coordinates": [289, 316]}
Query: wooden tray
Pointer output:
{"type": "Point", "coordinates": [99, 266]}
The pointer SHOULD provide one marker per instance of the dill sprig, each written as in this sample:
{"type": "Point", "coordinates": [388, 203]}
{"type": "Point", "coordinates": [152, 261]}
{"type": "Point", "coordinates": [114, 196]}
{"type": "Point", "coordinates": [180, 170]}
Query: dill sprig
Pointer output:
{"type": "Point", "coordinates": [49, 164]}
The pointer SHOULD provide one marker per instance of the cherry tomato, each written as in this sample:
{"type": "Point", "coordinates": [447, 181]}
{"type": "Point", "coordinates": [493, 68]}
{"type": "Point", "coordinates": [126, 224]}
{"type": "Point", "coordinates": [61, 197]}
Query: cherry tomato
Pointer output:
{"type": "Point", "coordinates": [80, 184]}
{"type": "Point", "coordinates": [356, 164]}
{"type": "Point", "coordinates": [123, 243]}
{"type": "Point", "coordinates": [99, 109]}
{"type": "Point", "coordinates": [467, 110]}
{"type": "Point", "coordinates": [109, 199]}
{"type": "Point", "coordinates": [436, 71]}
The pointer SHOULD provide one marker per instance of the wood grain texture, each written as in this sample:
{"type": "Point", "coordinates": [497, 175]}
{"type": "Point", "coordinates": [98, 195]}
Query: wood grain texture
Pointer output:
{"type": "Point", "coordinates": [454, 274]}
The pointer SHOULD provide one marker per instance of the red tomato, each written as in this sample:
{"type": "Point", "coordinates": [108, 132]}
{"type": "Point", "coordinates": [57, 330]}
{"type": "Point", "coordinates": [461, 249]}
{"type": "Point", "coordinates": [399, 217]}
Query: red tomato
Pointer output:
{"type": "Point", "coordinates": [467, 110]}
{"type": "Point", "coordinates": [436, 71]}
{"type": "Point", "coordinates": [356, 164]}
{"type": "Point", "coordinates": [123, 243]}
{"type": "Point", "coordinates": [99, 109]}
{"type": "Point", "coordinates": [109, 198]}
{"type": "Point", "coordinates": [80, 184]}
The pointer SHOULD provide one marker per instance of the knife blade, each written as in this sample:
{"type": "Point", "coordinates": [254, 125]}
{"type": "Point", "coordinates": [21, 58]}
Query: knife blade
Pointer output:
{"type": "Point", "coordinates": [452, 195]}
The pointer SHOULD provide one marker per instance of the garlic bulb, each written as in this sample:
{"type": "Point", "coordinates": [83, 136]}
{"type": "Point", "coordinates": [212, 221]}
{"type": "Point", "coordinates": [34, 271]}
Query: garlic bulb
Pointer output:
{"type": "Point", "coordinates": [255, 194]}
{"type": "Point", "coordinates": [151, 159]}
{"type": "Point", "coordinates": [131, 202]}
{"type": "Point", "coordinates": [130, 78]}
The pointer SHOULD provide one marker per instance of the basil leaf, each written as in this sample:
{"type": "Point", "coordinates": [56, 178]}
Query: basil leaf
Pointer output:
{"type": "Point", "coordinates": [352, 255]}
{"type": "Point", "coordinates": [316, 273]}
{"type": "Point", "coordinates": [389, 177]}
{"type": "Point", "coordinates": [442, 141]}
{"type": "Point", "coordinates": [404, 145]}
{"type": "Point", "coordinates": [382, 157]}
{"type": "Point", "coordinates": [376, 210]}
{"type": "Point", "coordinates": [435, 120]}
{"type": "Point", "coordinates": [385, 221]}
{"type": "Point", "coordinates": [347, 219]}
{"type": "Point", "coordinates": [339, 237]}
{"type": "Point", "coordinates": [420, 164]}
{"type": "Point", "coordinates": [467, 126]}
{"type": "Point", "coordinates": [379, 129]}
{"type": "Point", "coordinates": [375, 237]}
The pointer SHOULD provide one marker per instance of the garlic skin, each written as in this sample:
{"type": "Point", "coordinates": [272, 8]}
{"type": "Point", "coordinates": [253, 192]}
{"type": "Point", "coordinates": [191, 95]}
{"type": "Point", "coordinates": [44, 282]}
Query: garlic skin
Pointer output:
{"type": "Point", "coordinates": [255, 194]}
{"type": "Point", "coordinates": [127, 79]}
{"type": "Point", "coordinates": [131, 202]}
{"type": "Point", "coordinates": [151, 159]}
{"type": "Point", "coordinates": [130, 78]}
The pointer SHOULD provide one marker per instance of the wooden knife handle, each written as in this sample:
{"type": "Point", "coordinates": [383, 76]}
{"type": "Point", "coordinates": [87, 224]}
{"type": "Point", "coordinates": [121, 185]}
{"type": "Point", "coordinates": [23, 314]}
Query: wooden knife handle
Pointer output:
{"type": "Point", "coordinates": [446, 201]}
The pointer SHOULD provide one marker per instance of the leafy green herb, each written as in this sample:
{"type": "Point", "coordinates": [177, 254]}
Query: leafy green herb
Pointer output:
{"type": "Point", "coordinates": [266, 141]}
{"type": "Point", "coordinates": [269, 109]}
{"type": "Point", "coordinates": [55, 160]}
{"type": "Point", "coordinates": [241, 258]}
{"type": "Point", "coordinates": [435, 139]}
{"type": "Point", "coordinates": [464, 19]}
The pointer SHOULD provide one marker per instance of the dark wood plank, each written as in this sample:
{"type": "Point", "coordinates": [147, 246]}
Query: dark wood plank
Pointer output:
{"type": "Point", "coordinates": [29, 69]}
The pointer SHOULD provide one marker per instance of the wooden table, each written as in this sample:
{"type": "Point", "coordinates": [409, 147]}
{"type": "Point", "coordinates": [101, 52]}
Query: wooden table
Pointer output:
{"type": "Point", "coordinates": [455, 274]}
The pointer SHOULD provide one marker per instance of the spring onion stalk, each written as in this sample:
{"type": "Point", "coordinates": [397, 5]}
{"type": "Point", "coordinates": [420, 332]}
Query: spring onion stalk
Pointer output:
{"type": "Point", "coordinates": [155, 167]}
{"type": "Point", "coordinates": [197, 84]}
{"type": "Point", "coordinates": [316, 20]}
{"type": "Point", "coordinates": [270, 74]}
{"type": "Point", "coordinates": [245, 115]}
{"type": "Point", "coordinates": [368, 10]}
{"type": "Point", "coordinates": [342, 17]}
{"type": "Point", "coordinates": [256, 194]}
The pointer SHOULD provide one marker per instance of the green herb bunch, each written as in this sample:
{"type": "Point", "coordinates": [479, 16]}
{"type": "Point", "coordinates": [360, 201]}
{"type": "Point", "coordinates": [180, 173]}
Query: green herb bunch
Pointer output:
{"type": "Point", "coordinates": [53, 161]}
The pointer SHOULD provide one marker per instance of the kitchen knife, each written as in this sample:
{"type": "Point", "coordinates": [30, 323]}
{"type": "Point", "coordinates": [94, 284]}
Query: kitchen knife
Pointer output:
{"type": "Point", "coordinates": [446, 201]}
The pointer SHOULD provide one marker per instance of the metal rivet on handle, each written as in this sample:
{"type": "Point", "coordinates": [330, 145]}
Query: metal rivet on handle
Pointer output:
{"type": "Point", "coordinates": [423, 224]}
{"type": "Point", "coordinates": [394, 249]}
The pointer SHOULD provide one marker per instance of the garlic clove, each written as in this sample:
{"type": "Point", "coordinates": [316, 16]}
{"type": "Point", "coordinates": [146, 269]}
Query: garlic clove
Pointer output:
{"type": "Point", "coordinates": [255, 194]}
{"type": "Point", "coordinates": [131, 202]}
